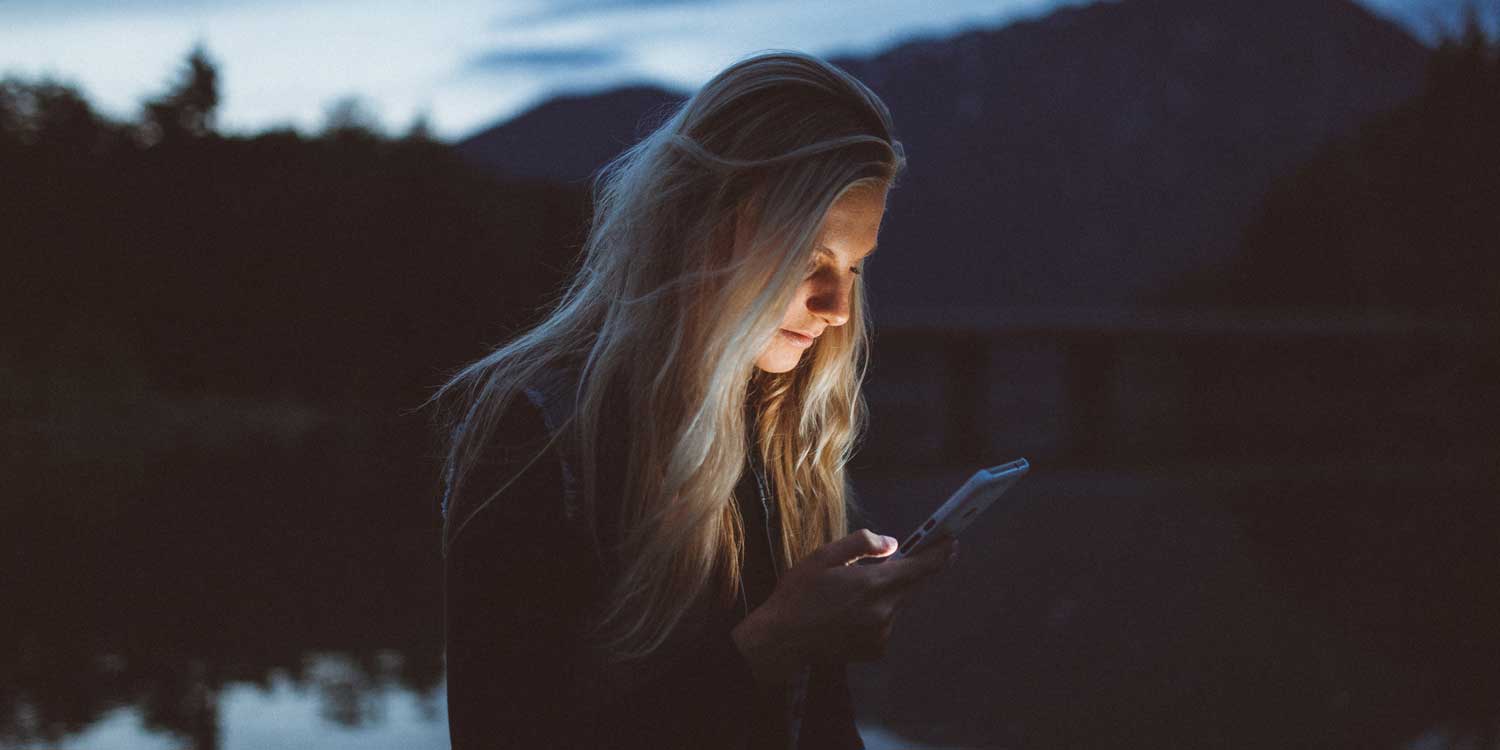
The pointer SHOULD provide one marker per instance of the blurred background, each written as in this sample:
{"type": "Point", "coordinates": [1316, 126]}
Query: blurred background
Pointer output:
{"type": "Point", "coordinates": [1226, 271]}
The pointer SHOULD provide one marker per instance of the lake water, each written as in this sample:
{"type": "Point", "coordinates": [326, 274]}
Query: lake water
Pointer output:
{"type": "Point", "coordinates": [291, 598]}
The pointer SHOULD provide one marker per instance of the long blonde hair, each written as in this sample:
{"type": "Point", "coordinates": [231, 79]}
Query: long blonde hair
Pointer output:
{"type": "Point", "coordinates": [666, 300]}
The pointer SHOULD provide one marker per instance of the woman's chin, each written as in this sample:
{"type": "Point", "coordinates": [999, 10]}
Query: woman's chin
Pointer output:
{"type": "Point", "coordinates": [779, 361]}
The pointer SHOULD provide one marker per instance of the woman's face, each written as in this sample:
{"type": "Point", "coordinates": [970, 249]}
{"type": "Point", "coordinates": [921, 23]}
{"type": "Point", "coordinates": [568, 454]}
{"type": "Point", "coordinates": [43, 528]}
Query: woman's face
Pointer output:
{"type": "Point", "coordinates": [849, 233]}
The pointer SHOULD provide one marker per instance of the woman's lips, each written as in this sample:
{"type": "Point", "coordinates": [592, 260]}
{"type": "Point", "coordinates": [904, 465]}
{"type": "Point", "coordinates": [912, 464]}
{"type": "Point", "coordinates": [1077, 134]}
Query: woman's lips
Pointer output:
{"type": "Point", "coordinates": [797, 338]}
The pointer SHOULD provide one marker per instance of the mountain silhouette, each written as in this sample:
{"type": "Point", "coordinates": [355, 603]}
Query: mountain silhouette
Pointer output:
{"type": "Point", "coordinates": [1086, 158]}
{"type": "Point", "coordinates": [566, 138]}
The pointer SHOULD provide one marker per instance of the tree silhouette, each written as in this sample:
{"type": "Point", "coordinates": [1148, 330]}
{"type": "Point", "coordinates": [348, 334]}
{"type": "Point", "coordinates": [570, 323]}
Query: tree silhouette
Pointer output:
{"type": "Point", "coordinates": [49, 112]}
{"type": "Point", "coordinates": [155, 267]}
{"type": "Point", "coordinates": [350, 116]}
{"type": "Point", "coordinates": [1399, 217]}
{"type": "Point", "coordinates": [420, 128]}
{"type": "Point", "coordinates": [187, 109]}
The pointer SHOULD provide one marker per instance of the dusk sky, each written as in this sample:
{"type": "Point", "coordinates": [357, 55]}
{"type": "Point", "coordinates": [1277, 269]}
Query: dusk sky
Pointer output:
{"type": "Point", "coordinates": [465, 63]}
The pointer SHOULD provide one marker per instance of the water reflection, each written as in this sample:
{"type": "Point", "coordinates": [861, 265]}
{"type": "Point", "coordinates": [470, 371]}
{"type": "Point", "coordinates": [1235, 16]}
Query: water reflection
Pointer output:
{"type": "Point", "coordinates": [335, 703]}
{"type": "Point", "coordinates": [287, 592]}
{"type": "Point", "coordinates": [164, 593]}
{"type": "Point", "coordinates": [288, 715]}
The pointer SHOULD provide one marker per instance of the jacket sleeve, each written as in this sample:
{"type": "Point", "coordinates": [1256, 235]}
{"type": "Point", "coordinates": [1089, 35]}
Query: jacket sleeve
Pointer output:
{"type": "Point", "coordinates": [829, 721]}
{"type": "Point", "coordinates": [517, 582]}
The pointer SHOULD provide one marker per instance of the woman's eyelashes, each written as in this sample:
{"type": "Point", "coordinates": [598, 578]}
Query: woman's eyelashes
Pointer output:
{"type": "Point", "coordinates": [813, 269]}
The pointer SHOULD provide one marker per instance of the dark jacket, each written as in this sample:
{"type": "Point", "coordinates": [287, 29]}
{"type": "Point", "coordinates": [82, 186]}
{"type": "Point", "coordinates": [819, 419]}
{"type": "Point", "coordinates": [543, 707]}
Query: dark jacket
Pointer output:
{"type": "Point", "coordinates": [520, 573]}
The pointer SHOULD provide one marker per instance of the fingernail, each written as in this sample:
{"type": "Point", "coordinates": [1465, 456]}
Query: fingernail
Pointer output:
{"type": "Point", "coordinates": [889, 541]}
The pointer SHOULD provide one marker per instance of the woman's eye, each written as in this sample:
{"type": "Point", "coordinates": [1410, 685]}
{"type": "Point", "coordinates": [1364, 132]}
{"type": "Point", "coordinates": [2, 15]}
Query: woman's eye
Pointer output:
{"type": "Point", "coordinates": [812, 268]}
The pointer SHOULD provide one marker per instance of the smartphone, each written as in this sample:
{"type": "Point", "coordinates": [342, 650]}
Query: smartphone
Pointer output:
{"type": "Point", "coordinates": [960, 510]}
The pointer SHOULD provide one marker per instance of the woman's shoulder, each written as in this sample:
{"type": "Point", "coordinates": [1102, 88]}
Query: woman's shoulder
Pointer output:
{"type": "Point", "coordinates": [520, 474]}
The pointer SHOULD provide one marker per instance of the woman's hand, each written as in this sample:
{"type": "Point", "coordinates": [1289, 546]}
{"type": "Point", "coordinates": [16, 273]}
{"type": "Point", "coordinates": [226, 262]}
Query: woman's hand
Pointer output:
{"type": "Point", "coordinates": [827, 609]}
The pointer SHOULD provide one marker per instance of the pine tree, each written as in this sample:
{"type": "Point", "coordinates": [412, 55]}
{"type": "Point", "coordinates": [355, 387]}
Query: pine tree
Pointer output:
{"type": "Point", "coordinates": [187, 109]}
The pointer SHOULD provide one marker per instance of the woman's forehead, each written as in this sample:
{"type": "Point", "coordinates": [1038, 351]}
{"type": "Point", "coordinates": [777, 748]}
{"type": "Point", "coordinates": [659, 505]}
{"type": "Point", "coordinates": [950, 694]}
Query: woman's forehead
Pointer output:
{"type": "Point", "coordinates": [853, 221]}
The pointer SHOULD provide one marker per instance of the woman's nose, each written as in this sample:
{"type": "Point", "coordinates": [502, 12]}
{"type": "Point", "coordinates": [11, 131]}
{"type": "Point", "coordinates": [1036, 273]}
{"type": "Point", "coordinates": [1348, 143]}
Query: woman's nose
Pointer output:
{"type": "Point", "coordinates": [831, 302]}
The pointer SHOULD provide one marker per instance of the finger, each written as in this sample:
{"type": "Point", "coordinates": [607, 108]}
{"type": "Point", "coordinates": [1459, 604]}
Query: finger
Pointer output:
{"type": "Point", "coordinates": [854, 546]}
{"type": "Point", "coordinates": [900, 591]}
{"type": "Point", "coordinates": [915, 567]}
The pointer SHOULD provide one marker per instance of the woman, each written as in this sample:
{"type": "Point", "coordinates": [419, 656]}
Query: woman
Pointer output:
{"type": "Point", "coordinates": [645, 533]}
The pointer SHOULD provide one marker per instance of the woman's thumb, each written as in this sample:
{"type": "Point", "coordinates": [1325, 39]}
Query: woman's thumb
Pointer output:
{"type": "Point", "coordinates": [862, 543]}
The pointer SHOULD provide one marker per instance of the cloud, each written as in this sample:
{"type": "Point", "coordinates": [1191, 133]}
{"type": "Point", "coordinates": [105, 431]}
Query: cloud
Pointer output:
{"type": "Point", "coordinates": [534, 59]}
{"type": "Point", "coordinates": [562, 10]}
